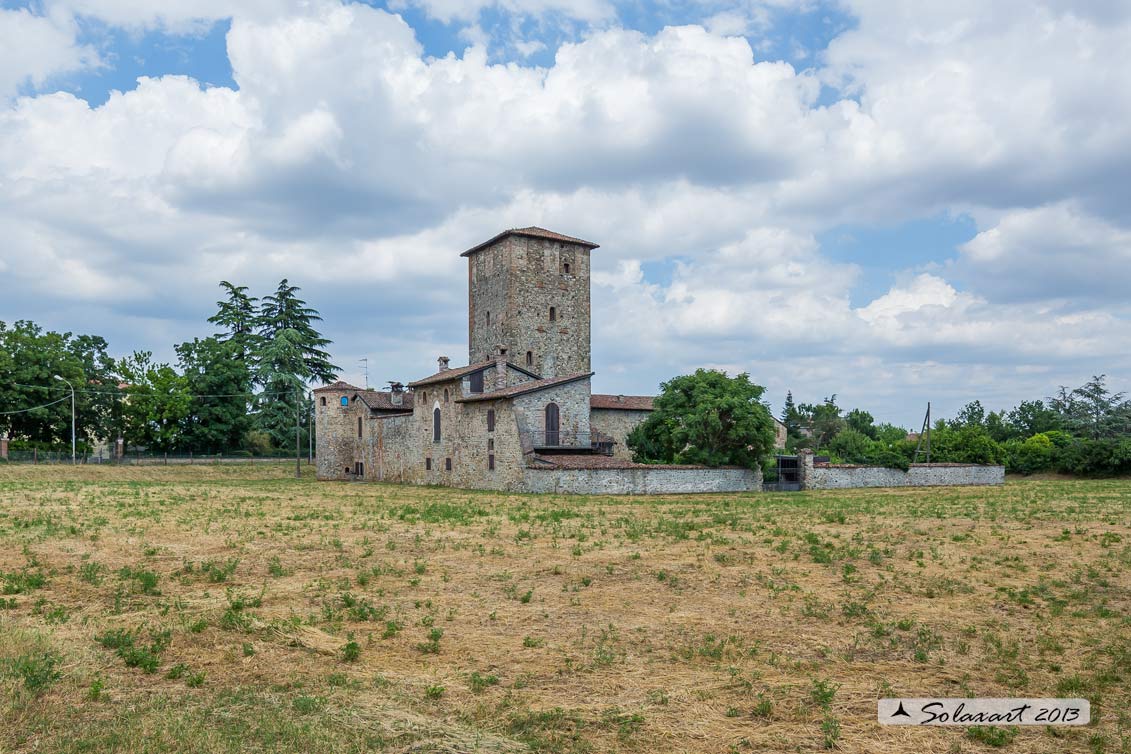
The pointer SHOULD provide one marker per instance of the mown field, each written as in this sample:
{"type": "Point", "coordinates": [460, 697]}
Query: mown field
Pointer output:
{"type": "Point", "coordinates": [201, 609]}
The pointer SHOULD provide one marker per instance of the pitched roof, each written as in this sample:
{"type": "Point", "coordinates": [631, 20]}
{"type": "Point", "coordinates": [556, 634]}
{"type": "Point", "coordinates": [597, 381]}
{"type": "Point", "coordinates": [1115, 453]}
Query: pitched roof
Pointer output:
{"type": "Point", "coordinates": [451, 374]}
{"type": "Point", "coordinates": [531, 232]}
{"type": "Point", "coordinates": [525, 387]}
{"type": "Point", "coordinates": [383, 401]}
{"type": "Point", "coordinates": [339, 385]}
{"type": "Point", "coordinates": [622, 402]}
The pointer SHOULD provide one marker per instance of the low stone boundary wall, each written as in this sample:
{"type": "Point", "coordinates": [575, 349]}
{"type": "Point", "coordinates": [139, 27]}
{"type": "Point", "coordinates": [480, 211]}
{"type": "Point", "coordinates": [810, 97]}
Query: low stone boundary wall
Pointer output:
{"type": "Point", "coordinates": [837, 476]}
{"type": "Point", "coordinates": [650, 480]}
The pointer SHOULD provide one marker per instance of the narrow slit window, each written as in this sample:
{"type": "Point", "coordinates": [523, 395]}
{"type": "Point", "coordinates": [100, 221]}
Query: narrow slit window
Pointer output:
{"type": "Point", "coordinates": [488, 319]}
{"type": "Point", "coordinates": [447, 464]}
{"type": "Point", "coordinates": [359, 426]}
{"type": "Point", "coordinates": [566, 267]}
{"type": "Point", "coordinates": [427, 464]}
{"type": "Point", "coordinates": [436, 424]}
{"type": "Point", "coordinates": [491, 446]}
{"type": "Point", "coordinates": [445, 395]}
{"type": "Point", "coordinates": [529, 358]}
{"type": "Point", "coordinates": [491, 462]}
{"type": "Point", "coordinates": [490, 420]}
{"type": "Point", "coordinates": [553, 314]}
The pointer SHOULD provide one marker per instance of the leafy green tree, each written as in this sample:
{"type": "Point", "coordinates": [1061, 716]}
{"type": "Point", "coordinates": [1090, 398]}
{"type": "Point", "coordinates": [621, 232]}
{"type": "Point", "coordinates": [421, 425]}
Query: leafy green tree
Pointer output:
{"type": "Point", "coordinates": [998, 427]}
{"type": "Point", "coordinates": [823, 420]}
{"type": "Point", "coordinates": [155, 404]}
{"type": "Point", "coordinates": [889, 435]}
{"type": "Point", "coordinates": [708, 418]}
{"type": "Point", "coordinates": [1033, 417]}
{"type": "Point", "coordinates": [861, 421]}
{"type": "Point", "coordinates": [971, 415]}
{"type": "Point", "coordinates": [852, 446]}
{"type": "Point", "coordinates": [219, 378]}
{"type": "Point", "coordinates": [29, 360]}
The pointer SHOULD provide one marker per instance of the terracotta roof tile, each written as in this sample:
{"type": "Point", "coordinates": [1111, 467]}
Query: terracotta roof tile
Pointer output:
{"type": "Point", "coordinates": [623, 402]}
{"type": "Point", "coordinates": [339, 385]}
{"type": "Point", "coordinates": [531, 232]}
{"type": "Point", "coordinates": [383, 401]}
{"type": "Point", "coordinates": [525, 387]}
{"type": "Point", "coordinates": [451, 374]}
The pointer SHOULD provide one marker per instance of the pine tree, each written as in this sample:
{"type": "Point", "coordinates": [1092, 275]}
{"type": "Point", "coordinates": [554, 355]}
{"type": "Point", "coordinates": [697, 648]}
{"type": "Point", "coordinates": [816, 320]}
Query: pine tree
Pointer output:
{"type": "Point", "coordinates": [238, 315]}
{"type": "Point", "coordinates": [790, 418]}
{"type": "Point", "coordinates": [289, 355]}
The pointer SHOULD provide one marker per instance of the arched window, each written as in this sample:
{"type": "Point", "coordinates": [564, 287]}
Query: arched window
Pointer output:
{"type": "Point", "coordinates": [552, 434]}
{"type": "Point", "coordinates": [323, 400]}
{"type": "Point", "coordinates": [345, 401]}
{"type": "Point", "coordinates": [553, 314]}
{"type": "Point", "coordinates": [436, 424]}
{"type": "Point", "coordinates": [566, 267]}
{"type": "Point", "coordinates": [445, 395]}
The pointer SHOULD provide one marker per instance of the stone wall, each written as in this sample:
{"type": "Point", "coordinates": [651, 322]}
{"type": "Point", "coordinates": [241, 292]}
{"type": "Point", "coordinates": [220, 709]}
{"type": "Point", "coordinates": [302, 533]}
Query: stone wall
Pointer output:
{"type": "Point", "coordinates": [517, 280]}
{"type": "Point", "coordinates": [843, 476]}
{"type": "Point", "coordinates": [336, 438]}
{"type": "Point", "coordinates": [573, 410]}
{"type": "Point", "coordinates": [648, 480]}
{"type": "Point", "coordinates": [617, 424]}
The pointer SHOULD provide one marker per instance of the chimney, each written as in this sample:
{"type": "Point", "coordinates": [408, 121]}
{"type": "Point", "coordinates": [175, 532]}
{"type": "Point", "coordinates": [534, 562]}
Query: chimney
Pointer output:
{"type": "Point", "coordinates": [620, 399]}
{"type": "Point", "coordinates": [500, 367]}
{"type": "Point", "coordinates": [443, 362]}
{"type": "Point", "coordinates": [396, 393]}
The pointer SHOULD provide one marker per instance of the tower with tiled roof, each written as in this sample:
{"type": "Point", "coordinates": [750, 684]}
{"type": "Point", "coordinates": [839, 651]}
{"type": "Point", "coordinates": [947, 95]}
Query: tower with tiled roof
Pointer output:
{"type": "Point", "coordinates": [528, 291]}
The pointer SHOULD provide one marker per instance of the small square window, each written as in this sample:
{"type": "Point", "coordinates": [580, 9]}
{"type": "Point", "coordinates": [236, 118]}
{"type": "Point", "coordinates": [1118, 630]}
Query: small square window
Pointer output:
{"type": "Point", "coordinates": [447, 464]}
{"type": "Point", "coordinates": [323, 400]}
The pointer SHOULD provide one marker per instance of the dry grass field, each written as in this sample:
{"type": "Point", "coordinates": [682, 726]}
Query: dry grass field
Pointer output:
{"type": "Point", "coordinates": [215, 609]}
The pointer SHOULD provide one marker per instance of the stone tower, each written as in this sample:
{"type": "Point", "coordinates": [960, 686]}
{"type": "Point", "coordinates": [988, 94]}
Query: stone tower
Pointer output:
{"type": "Point", "coordinates": [528, 291]}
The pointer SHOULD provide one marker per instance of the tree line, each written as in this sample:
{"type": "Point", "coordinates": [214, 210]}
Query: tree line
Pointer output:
{"type": "Point", "coordinates": [1083, 431]}
{"type": "Point", "coordinates": [711, 418]}
{"type": "Point", "coordinates": [242, 389]}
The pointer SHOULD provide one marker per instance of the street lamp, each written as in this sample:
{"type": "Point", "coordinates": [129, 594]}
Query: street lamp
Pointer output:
{"type": "Point", "coordinates": [72, 387]}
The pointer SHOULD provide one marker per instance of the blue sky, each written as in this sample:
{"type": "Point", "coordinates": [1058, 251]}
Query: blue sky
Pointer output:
{"type": "Point", "coordinates": [892, 204]}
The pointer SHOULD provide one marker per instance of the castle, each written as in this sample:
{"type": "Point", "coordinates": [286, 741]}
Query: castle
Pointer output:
{"type": "Point", "coordinates": [520, 416]}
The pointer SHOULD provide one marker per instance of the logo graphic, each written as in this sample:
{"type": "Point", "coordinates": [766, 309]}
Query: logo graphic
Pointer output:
{"type": "Point", "coordinates": [989, 711]}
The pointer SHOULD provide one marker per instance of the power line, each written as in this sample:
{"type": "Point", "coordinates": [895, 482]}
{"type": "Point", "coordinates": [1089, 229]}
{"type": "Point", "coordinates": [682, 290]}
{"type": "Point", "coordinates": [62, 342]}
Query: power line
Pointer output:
{"type": "Point", "coordinates": [126, 392]}
{"type": "Point", "coordinates": [34, 408]}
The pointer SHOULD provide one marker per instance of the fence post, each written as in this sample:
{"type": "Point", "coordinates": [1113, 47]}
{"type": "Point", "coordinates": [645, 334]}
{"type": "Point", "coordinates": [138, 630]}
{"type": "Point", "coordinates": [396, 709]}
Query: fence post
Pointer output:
{"type": "Point", "coordinates": [35, 455]}
{"type": "Point", "coordinates": [166, 458]}
{"type": "Point", "coordinates": [190, 458]}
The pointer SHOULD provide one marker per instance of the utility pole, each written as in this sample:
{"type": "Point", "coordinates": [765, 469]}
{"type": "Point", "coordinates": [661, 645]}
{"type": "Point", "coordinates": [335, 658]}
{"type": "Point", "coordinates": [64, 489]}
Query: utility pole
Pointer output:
{"type": "Point", "coordinates": [365, 369]}
{"type": "Point", "coordinates": [298, 438]}
{"type": "Point", "coordinates": [925, 433]}
{"type": "Point", "coordinates": [72, 387]}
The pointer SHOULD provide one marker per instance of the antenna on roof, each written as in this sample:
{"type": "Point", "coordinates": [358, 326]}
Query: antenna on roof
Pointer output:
{"type": "Point", "coordinates": [925, 434]}
{"type": "Point", "coordinates": [365, 369]}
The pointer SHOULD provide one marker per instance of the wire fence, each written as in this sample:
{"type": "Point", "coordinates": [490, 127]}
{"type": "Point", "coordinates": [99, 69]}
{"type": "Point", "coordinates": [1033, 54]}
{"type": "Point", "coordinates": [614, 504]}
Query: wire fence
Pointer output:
{"type": "Point", "coordinates": [145, 458]}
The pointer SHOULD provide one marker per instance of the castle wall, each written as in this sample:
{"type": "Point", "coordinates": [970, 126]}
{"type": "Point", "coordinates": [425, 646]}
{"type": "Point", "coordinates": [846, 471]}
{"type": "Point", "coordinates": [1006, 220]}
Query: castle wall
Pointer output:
{"type": "Point", "coordinates": [843, 476]}
{"type": "Point", "coordinates": [617, 424]}
{"type": "Point", "coordinates": [336, 438]}
{"type": "Point", "coordinates": [647, 480]}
